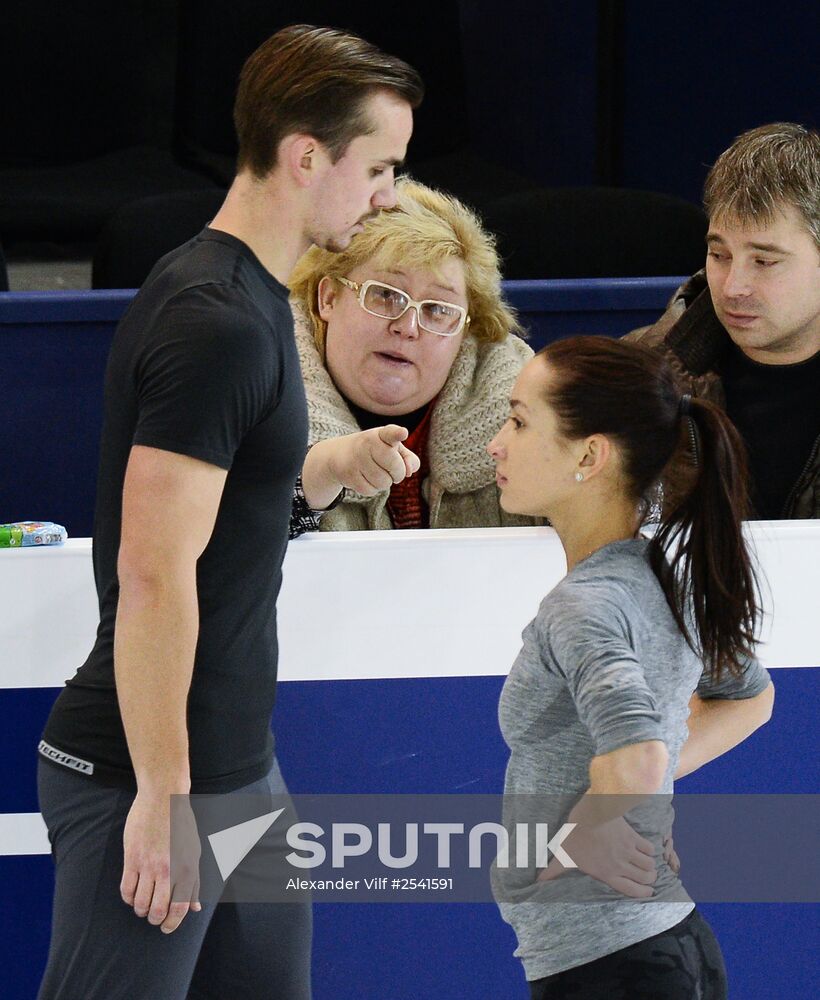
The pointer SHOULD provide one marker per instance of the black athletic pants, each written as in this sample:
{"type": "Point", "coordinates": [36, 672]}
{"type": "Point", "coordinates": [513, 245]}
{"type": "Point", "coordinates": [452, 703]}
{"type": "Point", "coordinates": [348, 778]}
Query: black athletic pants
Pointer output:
{"type": "Point", "coordinates": [100, 950]}
{"type": "Point", "coordinates": [683, 963]}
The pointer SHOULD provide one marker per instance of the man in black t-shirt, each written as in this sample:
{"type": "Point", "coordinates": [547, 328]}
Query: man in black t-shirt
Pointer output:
{"type": "Point", "coordinates": [205, 435]}
{"type": "Point", "coordinates": [746, 332]}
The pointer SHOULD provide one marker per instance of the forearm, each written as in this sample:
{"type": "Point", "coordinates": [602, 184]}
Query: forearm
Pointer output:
{"type": "Point", "coordinates": [715, 726]}
{"type": "Point", "coordinates": [621, 780]}
{"type": "Point", "coordinates": [155, 641]}
{"type": "Point", "coordinates": [320, 482]}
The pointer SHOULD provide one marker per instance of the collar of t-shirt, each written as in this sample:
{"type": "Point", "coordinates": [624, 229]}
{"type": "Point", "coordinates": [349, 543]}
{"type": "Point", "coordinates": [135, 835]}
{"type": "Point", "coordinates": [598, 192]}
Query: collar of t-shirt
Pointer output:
{"type": "Point", "coordinates": [219, 236]}
{"type": "Point", "coordinates": [776, 408]}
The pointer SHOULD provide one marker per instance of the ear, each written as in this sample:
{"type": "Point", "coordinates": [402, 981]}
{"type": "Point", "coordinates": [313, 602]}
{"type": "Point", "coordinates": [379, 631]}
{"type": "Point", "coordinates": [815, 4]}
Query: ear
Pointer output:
{"type": "Point", "coordinates": [597, 455]}
{"type": "Point", "coordinates": [326, 295]}
{"type": "Point", "coordinates": [302, 156]}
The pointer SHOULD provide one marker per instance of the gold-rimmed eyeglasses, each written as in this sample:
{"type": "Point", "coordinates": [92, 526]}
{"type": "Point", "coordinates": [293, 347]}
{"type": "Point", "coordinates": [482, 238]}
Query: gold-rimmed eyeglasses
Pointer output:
{"type": "Point", "coordinates": [446, 319]}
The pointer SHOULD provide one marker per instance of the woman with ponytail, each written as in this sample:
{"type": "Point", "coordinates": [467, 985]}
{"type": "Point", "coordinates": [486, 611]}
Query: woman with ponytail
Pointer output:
{"type": "Point", "coordinates": [638, 668]}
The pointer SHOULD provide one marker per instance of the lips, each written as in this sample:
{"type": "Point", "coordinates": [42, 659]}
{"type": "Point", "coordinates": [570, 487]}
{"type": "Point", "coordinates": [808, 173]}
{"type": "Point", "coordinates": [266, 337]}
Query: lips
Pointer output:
{"type": "Point", "coordinates": [738, 317]}
{"type": "Point", "coordinates": [394, 359]}
{"type": "Point", "coordinates": [500, 480]}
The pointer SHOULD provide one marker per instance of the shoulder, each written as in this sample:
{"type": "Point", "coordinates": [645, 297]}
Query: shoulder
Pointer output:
{"type": "Point", "coordinates": [605, 593]}
{"type": "Point", "coordinates": [309, 357]}
{"type": "Point", "coordinates": [217, 274]}
{"type": "Point", "coordinates": [328, 414]}
{"type": "Point", "coordinates": [212, 317]}
{"type": "Point", "coordinates": [576, 606]}
{"type": "Point", "coordinates": [470, 408]}
{"type": "Point", "coordinates": [480, 381]}
{"type": "Point", "coordinates": [502, 360]}
{"type": "Point", "coordinates": [203, 336]}
{"type": "Point", "coordinates": [655, 334]}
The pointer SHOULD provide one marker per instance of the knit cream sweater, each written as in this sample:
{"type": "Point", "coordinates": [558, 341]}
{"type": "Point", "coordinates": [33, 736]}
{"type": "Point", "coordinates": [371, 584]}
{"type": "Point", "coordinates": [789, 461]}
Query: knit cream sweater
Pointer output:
{"type": "Point", "coordinates": [460, 490]}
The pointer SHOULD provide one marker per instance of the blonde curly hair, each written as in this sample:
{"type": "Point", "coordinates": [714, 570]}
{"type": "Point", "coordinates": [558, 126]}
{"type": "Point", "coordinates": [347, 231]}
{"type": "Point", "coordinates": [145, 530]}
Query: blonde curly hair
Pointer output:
{"type": "Point", "coordinates": [425, 228]}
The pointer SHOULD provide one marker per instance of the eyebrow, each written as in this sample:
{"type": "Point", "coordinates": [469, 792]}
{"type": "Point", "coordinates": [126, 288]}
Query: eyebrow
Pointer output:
{"type": "Point", "coordinates": [713, 238]}
{"type": "Point", "coordinates": [519, 404]}
{"type": "Point", "coordinates": [434, 284]}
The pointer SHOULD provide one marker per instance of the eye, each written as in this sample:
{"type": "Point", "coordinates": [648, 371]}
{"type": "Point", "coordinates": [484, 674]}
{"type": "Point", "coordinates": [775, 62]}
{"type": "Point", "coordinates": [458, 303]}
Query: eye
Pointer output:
{"type": "Point", "coordinates": [717, 256]}
{"type": "Point", "coordinates": [386, 295]}
{"type": "Point", "coordinates": [376, 171]}
{"type": "Point", "coordinates": [439, 310]}
{"type": "Point", "coordinates": [762, 262]}
{"type": "Point", "coordinates": [385, 301]}
{"type": "Point", "coordinates": [517, 424]}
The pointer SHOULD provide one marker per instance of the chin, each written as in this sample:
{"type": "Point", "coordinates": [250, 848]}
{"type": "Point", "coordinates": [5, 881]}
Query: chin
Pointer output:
{"type": "Point", "coordinates": [387, 404]}
{"type": "Point", "coordinates": [336, 245]}
{"type": "Point", "coordinates": [507, 504]}
{"type": "Point", "coordinates": [384, 408]}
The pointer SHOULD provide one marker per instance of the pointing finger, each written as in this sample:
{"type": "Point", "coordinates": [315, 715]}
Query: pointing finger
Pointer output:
{"type": "Point", "coordinates": [391, 434]}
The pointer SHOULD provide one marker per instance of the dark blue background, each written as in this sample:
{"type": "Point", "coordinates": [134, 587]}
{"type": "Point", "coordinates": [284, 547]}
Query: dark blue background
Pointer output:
{"type": "Point", "coordinates": [434, 735]}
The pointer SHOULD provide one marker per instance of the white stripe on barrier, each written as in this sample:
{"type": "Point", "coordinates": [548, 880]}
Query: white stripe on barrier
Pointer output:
{"type": "Point", "coordinates": [23, 833]}
{"type": "Point", "coordinates": [388, 604]}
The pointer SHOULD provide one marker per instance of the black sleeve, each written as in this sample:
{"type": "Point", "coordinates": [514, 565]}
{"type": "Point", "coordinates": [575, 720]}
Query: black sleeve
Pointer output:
{"type": "Point", "coordinates": [210, 374]}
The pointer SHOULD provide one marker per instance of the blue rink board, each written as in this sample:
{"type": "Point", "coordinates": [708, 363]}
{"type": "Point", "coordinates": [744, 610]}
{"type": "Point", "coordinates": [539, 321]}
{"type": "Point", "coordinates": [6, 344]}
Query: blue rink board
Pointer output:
{"type": "Point", "coordinates": [434, 735]}
{"type": "Point", "coordinates": [54, 347]}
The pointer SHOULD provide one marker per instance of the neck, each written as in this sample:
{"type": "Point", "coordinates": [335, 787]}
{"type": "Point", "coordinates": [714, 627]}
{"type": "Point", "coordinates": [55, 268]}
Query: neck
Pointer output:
{"type": "Point", "coordinates": [792, 355]}
{"type": "Point", "coordinates": [268, 219]}
{"type": "Point", "coordinates": [367, 419]}
{"type": "Point", "coordinates": [613, 520]}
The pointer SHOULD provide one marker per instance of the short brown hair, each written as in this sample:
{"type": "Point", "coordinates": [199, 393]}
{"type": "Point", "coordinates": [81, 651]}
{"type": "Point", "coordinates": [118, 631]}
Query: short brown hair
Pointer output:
{"type": "Point", "coordinates": [313, 80]}
{"type": "Point", "coordinates": [424, 229]}
{"type": "Point", "coordinates": [764, 169]}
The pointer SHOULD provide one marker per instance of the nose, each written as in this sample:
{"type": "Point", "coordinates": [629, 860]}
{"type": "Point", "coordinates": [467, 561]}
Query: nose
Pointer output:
{"type": "Point", "coordinates": [738, 282]}
{"type": "Point", "coordinates": [407, 325]}
{"type": "Point", "coordinates": [386, 196]}
{"type": "Point", "coordinates": [494, 448]}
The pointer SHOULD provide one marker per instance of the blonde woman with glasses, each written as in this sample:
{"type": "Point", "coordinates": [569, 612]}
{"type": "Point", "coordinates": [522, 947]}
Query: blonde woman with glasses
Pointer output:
{"type": "Point", "coordinates": [408, 326]}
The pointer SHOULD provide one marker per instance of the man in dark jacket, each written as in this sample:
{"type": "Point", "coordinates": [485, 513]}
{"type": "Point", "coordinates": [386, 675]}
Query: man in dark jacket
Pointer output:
{"type": "Point", "coordinates": [745, 332]}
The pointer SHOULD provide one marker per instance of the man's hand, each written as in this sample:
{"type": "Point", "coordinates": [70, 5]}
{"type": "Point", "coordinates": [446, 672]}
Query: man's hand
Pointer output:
{"type": "Point", "coordinates": [367, 462]}
{"type": "Point", "coordinates": [146, 878]}
{"type": "Point", "coordinates": [611, 852]}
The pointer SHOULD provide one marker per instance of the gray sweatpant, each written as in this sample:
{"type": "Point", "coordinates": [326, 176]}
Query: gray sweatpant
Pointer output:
{"type": "Point", "coordinates": [100, 949]}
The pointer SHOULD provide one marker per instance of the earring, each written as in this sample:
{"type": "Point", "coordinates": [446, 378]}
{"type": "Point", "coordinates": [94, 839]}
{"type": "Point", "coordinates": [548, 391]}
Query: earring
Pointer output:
{"type": "Point", "coordinates": [579, 477]}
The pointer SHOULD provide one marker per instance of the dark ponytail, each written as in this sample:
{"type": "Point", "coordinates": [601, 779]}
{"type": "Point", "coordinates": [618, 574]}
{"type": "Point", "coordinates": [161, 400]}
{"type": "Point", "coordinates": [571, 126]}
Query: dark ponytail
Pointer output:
{"type": "Point", "coordinates": [691, 449]}
{"type": "Point", "coordinates": [699, 553]}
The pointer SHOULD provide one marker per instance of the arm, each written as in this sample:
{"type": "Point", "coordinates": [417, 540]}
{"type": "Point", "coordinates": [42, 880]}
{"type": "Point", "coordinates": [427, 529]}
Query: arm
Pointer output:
{"type": "Point", "coordinates": [603, 844]}
{"type": "Point", "coordinates": [366, 462]}
{"type": "Point", "coordinates": [625, 777]}
{"type": "Point", "coordinates": [716, 725]}
{"type": "Point", "coordinates": [155, 640]}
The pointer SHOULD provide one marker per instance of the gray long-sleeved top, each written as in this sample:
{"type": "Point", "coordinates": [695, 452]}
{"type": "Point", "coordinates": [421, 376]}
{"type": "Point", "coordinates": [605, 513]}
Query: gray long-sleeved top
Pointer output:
{"type": "Point", "coordinates": [603, 665]}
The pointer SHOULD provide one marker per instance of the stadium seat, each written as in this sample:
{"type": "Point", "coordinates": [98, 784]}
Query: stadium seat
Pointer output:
{"type": "Point", "coordinates": [596, 232]}
{"type": "Point", "coordinates": [139, 233]}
